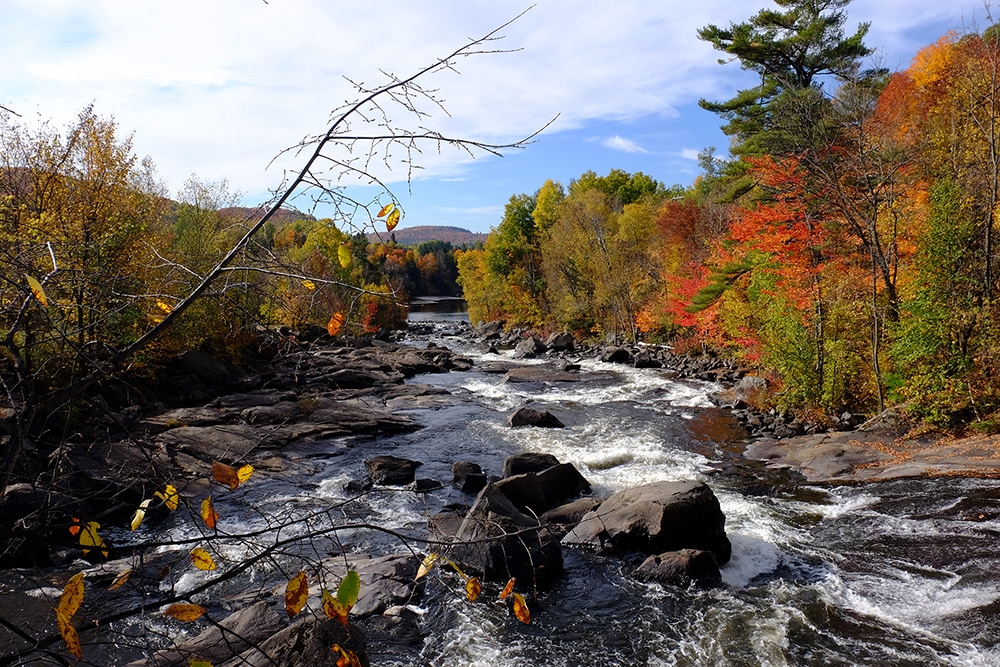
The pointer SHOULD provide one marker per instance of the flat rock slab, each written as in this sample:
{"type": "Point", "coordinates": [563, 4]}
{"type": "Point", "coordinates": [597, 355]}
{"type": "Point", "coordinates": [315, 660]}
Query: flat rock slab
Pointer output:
{"type": "Point", "coordinates": [865, 456]}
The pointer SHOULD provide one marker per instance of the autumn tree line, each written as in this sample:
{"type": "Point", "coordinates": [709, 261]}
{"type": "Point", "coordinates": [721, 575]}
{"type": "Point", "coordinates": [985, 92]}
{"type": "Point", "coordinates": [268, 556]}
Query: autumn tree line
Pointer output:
{"type": "Point", "coordinates": [847, 249]}
{"type": "Point", "coordinates": [93, 254]}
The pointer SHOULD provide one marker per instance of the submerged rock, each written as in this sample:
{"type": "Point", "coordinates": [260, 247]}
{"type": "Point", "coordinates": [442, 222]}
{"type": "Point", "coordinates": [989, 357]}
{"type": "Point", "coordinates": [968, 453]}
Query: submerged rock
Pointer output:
{"type": "Point", "coordinates": [391, 470]}
{"type": "Point", "coordinates": [530, 417]}
{"type": "Point", "coordinates": [681, 568]}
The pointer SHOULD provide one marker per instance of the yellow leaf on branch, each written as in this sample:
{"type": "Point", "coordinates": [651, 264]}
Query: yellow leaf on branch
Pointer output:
{"type": "Point", "coordinates": [89, 537]}
{"type": "Point", "coordinates": [202, 559]}
{"type": "Point", "coordinates": [472, 589]}
{"type": "Point", "coordinates": [36, 289]}
{"type": "Point", "coordinates": [185, 612]}
{"type": "Point", "coordinates": [386, 209]}
{"type": "Point", "coordinates": [208, 513]}
{"type": "Point", "coordinates": [393, 220]}
{"type": "Point", "coordinates": [296, 594]}
{"type": "Point", "coordinates": [72, 595]}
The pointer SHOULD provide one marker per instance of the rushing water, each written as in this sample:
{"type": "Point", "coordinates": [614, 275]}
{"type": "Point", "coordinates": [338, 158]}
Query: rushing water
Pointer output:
{"type": "Point", "coordinates": [898, 573]}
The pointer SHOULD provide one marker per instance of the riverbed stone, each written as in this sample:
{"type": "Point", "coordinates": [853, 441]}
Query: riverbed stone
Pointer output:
{"type": "Point", "coordinates": [499, 541]}
{"type": "Point", "coordinates": [307, 642]}
{"type": "Point", "coordinates": [526, 416]}
{"type": "Point", "coordinates": [518, 464]}
{"type": "Point", "coordinates": [561, 341]}
{"type": "Point", "coordinates": [529, 348]}
{"type": "Point", "coordinates": [560, 483]}
{"type": "Point", "coordinates": [654, 518]}
{"type": "Point", "coordinates": [391, 470]}
{"type": "Point", "coordinates": [468, 477]}
{"type": "Point", "coordinates": [233, 635]}
{"type": "Point", "coordinates": [681, 568]}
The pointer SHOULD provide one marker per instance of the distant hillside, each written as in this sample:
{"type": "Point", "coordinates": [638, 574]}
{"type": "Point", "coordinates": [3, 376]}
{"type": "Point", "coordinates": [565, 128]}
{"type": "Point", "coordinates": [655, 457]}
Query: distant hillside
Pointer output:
{"type": "Point", "coordinates": [414, 235]}
{"type": "Point", "coordinates": [281, 215]}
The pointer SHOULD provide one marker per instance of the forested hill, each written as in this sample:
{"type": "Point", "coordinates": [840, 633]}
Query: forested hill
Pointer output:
{"type": "Point", "coordinates": [421, 234]}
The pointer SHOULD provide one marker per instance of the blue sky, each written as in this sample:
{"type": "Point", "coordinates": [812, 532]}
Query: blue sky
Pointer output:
{"type": "Point", "coordinates": [218, 88]}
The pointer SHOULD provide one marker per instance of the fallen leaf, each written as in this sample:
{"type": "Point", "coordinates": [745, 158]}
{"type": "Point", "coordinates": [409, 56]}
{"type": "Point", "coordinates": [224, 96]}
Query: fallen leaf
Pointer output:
{"type": "Point", "coordinates": [164, 306]}
{"type": "Point", "coordinates": [309, 285]}
{"type": "Point", "coordinates": [296, 594]}
{"type": "Point", "coordinates": [184, 612]}
{"type": "Point", "coordinates": [202, 559]}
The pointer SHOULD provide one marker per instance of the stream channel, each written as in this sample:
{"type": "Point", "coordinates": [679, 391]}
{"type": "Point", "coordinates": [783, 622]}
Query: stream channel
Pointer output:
{"type": "Point", "coordinates": [897, 573]}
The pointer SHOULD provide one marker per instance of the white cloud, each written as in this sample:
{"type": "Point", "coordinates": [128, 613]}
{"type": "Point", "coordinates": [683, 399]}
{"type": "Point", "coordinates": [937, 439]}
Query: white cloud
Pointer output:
{"type": "Point", "coordinates": [220, 87]}
{"type": "Point", "coordinates": [689, 153]}
{"type": "Point", "coordinates": [622, 144]}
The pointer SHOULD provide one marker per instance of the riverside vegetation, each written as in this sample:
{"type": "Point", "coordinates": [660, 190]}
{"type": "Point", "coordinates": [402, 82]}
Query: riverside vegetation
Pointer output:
{"type": "Point", "coordinates": [846, 252]}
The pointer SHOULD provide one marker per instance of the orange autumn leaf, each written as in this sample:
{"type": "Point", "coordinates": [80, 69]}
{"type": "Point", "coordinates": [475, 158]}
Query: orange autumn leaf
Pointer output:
{"type": "Point", "coordinates": [335, 323]}
{"type": "Point", "coordinates": [75, 527]}
{"type": "Point", "coordinates": [334, 608]}
{"type": "Point", "coordinates": [296, 594]}
{"type": "Point", "coordinates": [226, 475]}
{"type": "Point", "coordinates": [348, 658]}
{"type": "Point", "coordinates": [521, 610]}
{"type": "Point", "coordinates": [472, 589]}
{"type": "Point", "coordinates": [386, 209]}
{"type": "Point", "coordinates": [393, 220]}
{"type": "Point", "coordinates": [184, 612]}
{"type": "Point", "coordinates": [508, 588]}
{"type": "Point", "coordinates": [208, 513]}
{"type": "Point", "coordinates": [202, 559]}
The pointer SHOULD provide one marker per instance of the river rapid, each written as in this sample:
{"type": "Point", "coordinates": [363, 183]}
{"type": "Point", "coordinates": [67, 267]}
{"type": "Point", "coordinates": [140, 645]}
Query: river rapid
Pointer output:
{"type": "Point", "coordinates": [897, 573]}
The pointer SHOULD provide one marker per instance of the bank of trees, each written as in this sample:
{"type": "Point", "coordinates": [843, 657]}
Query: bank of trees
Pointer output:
{"type": "Point", "coordinates": [847, 249]}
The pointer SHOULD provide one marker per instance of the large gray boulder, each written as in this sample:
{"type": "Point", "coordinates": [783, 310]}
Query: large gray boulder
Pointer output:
{"type": "Point", "coordinates": [655, 518]}
{"type": "Point", "coordinates": [499, 541]}
{"type": "Point", "coordinates": [560, 341]}
{"type": "Point", "coordinates": [307, 642]}
{"type": "Point", "coordinates": [529, 348]}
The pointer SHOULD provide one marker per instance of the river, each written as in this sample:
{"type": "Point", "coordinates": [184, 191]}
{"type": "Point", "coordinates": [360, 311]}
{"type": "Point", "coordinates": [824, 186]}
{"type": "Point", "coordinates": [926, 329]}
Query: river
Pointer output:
{"type": "Point", "coordinates": [897, 573]}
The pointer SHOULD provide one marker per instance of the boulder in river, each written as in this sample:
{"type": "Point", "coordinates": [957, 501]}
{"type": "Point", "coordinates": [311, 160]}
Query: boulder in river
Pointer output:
{"type": "Point", "coordinates": [526, 416]}
{"type": "Point", "coordinates": [528, 462]}
{"type": "Point", "coordinates": [681, 568]}
{"type": "Point", "coordinates": [307, 642]}
{"type": "Point", "coordinates": [654, 518]}
{"type": "Point", "coordinates": [468, 477]}
{"type": "Point", "coordinates": [529, 348]}
{"type": "Point", "coordinates": [560, 341]}
{"type": "Point", "coordinates": [391, 470]}
{"type": "Point", "coordinates": [499, 541]}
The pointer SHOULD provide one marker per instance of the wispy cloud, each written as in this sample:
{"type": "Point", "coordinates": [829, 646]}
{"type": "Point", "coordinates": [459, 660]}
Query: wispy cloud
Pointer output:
{"type": "Point", "coordinates": [689, 153]}
{"type": "Point", "coordinates": [622, 144]}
